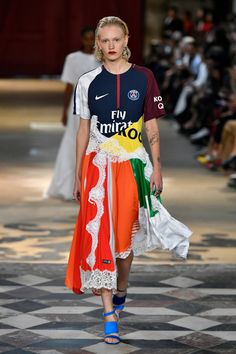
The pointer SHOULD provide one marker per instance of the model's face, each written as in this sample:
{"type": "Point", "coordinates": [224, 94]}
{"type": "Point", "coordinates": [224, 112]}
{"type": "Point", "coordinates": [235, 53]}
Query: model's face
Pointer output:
{"type": "Point", "coordinates": [112, 40]}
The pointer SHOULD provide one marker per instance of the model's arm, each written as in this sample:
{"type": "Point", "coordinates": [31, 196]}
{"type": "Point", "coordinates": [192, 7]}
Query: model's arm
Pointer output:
{"type": "Point", "coordinates": [82, 140]}
{"type": "Point", "coordinates": [152, 130]}
{"type": "Point", "coordinates": [67, 97]}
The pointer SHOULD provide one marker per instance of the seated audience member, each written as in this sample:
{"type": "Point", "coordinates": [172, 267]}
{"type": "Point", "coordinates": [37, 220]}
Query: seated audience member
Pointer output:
{"type": "Point", "coordinates": [209, 103]}
{"type": "Point", "coordinates": [172, 22]}
{"type": "Point", "coordinates": [221, 151]}
{"type": "Point", "coordinates": [187, 23]}
{"type": "Point", "coordinates": [198, 76]}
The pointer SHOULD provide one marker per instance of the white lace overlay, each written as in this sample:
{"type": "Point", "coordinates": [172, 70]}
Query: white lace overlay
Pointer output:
{"type": "Point", "coordinates": [96, 195]}
{"type": "Point", "coordinates": [97, 279]}
{"type": "Point", "coordinates": [159, 231]}
{"type": "Point", "coordinates": [95, 138]}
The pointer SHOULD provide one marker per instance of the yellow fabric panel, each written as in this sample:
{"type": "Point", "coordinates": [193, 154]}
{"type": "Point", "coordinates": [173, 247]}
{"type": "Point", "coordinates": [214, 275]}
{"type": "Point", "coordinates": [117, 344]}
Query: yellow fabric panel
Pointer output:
{"type": "Point", "coordinates": [128, 139]}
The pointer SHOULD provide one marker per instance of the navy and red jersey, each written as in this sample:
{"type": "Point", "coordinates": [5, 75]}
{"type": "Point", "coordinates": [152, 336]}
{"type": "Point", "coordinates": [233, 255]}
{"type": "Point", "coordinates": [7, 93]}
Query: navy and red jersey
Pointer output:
{"type": "Point", "coordinates": [121, 99]}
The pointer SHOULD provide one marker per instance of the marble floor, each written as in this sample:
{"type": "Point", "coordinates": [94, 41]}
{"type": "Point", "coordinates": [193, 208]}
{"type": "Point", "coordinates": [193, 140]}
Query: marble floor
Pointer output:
{"type": "Point", "coordinates": [170, 309]}
{"type": "Point", "coordinates": [173, 307]}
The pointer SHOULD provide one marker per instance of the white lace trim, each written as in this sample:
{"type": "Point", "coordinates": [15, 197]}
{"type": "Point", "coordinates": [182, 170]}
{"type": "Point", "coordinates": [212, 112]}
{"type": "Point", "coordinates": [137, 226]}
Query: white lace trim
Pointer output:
{"type": "Point", "coordinates": [95, 137]}
{"type": "Point", "coordinates": [124, 254]}
{"type": "Point", "coordinates": [96, 196]}
{"type": "Point", "coordinates": [154, 202]}
{"type": "Point", "coordinates": [97, 279]}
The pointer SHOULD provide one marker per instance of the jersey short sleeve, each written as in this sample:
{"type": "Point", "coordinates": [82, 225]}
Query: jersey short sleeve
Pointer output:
{"type": "Point", "coordinates": [81, 107]}
{"type": "Point", "coordinates": [153, 104]}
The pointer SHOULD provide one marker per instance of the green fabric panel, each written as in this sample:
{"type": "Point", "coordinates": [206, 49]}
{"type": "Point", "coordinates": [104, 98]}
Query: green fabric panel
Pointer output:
{"type": "Point", "coordinates": [143, 185]}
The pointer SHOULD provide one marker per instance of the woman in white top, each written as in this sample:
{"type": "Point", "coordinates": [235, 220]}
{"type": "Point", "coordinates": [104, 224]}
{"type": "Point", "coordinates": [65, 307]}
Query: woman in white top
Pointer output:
{"type": "Point", "coordinates": [76, 64]}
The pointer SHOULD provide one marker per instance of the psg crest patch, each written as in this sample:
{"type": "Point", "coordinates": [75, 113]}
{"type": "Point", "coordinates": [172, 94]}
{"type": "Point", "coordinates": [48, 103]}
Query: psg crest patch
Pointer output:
{"type": "Point", "coordinates": [133, 95]}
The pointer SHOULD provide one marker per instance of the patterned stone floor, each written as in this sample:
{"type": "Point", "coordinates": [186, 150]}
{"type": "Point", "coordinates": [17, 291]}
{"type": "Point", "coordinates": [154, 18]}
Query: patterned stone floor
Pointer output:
{"type": "Point", "coordinates": [170, 309]}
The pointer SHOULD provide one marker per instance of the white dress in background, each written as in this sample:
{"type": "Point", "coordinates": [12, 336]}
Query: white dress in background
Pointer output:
{"type": "Point", "coordinates": [62, 183]}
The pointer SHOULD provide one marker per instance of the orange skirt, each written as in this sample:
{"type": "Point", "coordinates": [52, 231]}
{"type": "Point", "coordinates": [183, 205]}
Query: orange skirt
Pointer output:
{"type": "Point", "coordinates": [118, 213]}
{"type": "Point", "coordinates": [107, 219]}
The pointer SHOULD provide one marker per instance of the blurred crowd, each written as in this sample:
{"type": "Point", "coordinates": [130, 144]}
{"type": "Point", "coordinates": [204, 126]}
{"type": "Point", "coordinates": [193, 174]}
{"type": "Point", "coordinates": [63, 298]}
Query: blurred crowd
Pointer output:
{"type": "Point", "coordinates": [195, 66]}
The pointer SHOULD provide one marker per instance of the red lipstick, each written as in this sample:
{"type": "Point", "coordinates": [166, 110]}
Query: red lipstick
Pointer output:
{"type": "Point", "coordinates": [111, 52]}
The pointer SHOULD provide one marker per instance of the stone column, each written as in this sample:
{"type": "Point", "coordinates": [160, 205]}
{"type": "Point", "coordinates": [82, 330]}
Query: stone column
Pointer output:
{"type": "Point", "coordinates": [154, 16]}
{"type": "Point", "coordinates": [234, 7]}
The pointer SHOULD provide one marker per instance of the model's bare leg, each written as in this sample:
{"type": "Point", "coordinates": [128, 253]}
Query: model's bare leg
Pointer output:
{"type": "Point", "coordinates": [108, 307]}
{"type": "Point", "coordinates": [123, 267]}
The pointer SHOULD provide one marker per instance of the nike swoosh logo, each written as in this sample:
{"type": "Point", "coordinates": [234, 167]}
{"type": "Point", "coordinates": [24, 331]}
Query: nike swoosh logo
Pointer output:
{"type": "Point", "coordinates": [99, 97]}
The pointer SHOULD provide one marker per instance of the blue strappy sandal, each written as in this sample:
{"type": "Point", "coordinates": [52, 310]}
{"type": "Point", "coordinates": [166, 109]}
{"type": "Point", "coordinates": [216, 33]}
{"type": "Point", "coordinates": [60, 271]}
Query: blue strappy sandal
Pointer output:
{"type": "Point", "coordinates": [111, 327]}
{"type": "Point", "coordinates": [119, 302]}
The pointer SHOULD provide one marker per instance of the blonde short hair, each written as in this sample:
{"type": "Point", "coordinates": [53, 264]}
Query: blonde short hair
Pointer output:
{"type": "Point", "coordinates": [106, 21]}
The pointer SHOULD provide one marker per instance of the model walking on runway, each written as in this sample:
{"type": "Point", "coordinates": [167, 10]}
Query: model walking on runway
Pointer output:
{"type": "Point", "coordinates": [118, 188]}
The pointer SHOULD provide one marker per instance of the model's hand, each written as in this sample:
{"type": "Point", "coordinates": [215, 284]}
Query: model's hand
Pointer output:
{"type": "Point", "coordinates": [156, 183]}
{"type": "Point", "coordinates": [77, 190]}
{"type": "Point", "coordinates": [64, 119]}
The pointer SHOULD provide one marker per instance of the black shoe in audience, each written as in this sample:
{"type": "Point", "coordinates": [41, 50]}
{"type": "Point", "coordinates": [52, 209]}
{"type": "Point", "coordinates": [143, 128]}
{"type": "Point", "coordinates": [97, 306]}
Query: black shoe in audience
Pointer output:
{"type": "Point", "coordinates": [230, 163]}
